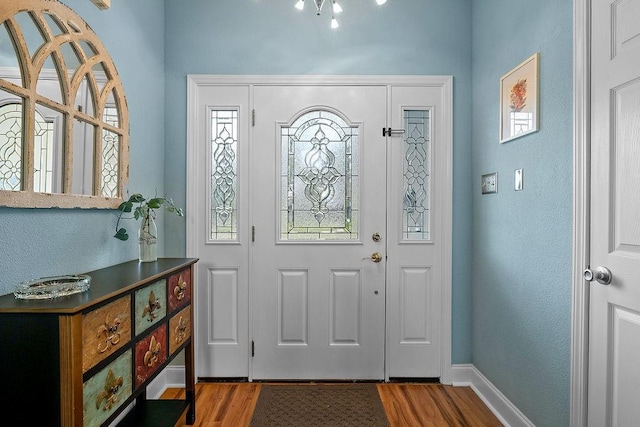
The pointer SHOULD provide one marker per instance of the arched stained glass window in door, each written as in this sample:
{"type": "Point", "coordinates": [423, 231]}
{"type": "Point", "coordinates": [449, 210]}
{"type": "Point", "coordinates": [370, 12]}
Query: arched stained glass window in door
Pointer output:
{"type": "Point", "coordinates": [319, 194]}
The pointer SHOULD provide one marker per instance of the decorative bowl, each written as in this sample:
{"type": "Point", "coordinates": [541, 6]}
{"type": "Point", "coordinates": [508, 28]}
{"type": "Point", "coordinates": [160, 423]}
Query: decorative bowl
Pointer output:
{"type": "Point", "coordinates": [52, 287]}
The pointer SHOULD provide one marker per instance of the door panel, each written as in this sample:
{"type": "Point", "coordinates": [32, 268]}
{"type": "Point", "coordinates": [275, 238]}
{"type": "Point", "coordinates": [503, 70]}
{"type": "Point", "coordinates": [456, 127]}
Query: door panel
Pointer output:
{"type": "Point", "coordinates": [417, 232]}
{"type": "Point", "coordinates": [319, 193]}
{"type": "Point", "coordinates": [222, 276]}
{"type": "Point", "coordinates": [614, 329]}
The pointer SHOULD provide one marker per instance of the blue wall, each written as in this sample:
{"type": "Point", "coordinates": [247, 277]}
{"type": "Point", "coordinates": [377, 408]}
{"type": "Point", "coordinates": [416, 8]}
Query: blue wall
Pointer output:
{"type": "Point", "coordinates": [272, 37]}
{"type": "Point", "coordinates": [44, 242]}
{"type": "Point", "coordinates": [522, 240]}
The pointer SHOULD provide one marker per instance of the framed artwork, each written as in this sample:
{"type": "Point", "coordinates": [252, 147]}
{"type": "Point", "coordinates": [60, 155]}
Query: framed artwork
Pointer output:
{"type": "Point", "coordinates": [519, 100]}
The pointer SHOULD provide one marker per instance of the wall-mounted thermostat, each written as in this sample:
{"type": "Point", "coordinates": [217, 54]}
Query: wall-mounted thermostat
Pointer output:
{"type": "Point", "coordinates": [490, 183]}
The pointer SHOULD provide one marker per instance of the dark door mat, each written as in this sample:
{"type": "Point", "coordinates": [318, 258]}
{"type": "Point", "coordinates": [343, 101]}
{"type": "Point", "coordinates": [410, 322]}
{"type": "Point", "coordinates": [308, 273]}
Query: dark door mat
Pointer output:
{"type": "Point", "coordinates": [319, 405]}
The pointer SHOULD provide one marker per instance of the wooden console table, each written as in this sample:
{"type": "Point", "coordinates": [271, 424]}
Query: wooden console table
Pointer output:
{"type": "Point", "coordinates": [81, 360]}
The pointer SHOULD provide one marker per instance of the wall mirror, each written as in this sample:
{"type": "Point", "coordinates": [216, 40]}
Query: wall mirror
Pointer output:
{"type": "Point", "coordinates": [64, 122]}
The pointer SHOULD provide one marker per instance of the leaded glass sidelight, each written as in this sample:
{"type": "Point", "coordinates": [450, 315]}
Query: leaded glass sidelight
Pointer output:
{"type": "Point", "coordinates": [224, 175]}
{"type": "Point", "coordinates": [416, 170]}
{"type": "Point", "coordinates": [319, 178]}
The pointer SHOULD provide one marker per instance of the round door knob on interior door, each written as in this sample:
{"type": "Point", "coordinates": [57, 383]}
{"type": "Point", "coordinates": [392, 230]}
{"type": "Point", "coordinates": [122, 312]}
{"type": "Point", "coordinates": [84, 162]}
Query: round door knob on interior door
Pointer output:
{"type": "Point", "coordinates": [602, 275]}
{"type": "Point", "coordinates": [375, 257]}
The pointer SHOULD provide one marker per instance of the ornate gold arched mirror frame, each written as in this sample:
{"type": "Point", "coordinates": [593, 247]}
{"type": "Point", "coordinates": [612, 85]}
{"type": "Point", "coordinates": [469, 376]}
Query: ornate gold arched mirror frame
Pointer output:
{"type": "Point", "coordinates": [64, 121]}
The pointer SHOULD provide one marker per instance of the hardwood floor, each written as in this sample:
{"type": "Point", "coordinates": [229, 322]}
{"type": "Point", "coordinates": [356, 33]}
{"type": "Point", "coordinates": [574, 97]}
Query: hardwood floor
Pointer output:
{"type": "Point", "coordinates": [406, 405]}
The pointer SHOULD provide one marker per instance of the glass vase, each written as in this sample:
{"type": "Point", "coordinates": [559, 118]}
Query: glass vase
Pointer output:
{"type": "Point", "coordinates": [148, 237]}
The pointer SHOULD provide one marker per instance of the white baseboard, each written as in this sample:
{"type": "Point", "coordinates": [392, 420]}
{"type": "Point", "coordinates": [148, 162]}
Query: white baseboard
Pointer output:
{"type": "Point", "coordinates": [171, 377]}
{"type": "Point", "coordinates": [507, 412]}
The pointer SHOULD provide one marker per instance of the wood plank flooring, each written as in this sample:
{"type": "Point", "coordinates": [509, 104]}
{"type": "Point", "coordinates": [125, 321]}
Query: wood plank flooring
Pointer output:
{"type": "Point", "coordinates": [406, 405]}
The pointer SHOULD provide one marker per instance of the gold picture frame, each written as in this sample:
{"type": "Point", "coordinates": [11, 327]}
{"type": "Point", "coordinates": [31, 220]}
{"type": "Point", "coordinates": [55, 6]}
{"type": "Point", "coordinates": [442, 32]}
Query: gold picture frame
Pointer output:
{"type": "Point", "coordinates": [519, 96]}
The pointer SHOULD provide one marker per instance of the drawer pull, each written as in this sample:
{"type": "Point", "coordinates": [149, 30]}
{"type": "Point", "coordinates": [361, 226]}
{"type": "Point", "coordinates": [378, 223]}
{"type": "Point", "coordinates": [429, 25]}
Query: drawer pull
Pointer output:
{"type": "Point", "coordinates": [154, 305]}
{"type": "Point", "coordinates": [179, 290]}
{"type": "Point", "coordinates": [151, 356]}
{"type": "Point", "coordinates": [111, 332]}
{"type": "Point", "coordinates": [181, 329]}
{"type": "Point", "coordinates": [110, 392]}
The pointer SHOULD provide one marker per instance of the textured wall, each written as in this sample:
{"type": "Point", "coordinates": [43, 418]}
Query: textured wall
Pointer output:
{"type": "Point", "coordinates": [522, 240]}
{"type": "Point", "coordinates": [271, 37]}
{"type": "Point", "coordinates": [36, 243]}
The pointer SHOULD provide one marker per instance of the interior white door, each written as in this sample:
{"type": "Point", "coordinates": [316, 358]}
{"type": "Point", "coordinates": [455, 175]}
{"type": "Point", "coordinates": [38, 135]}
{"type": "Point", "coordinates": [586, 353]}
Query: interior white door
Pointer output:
{"type": "Point", "coordinates": [614, 329]}
{"type": "Point", "coordinates": [319, 195]}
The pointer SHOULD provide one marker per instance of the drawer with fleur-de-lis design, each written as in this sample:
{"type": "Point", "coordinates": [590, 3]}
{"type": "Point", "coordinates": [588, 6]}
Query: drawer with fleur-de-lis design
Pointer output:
{"type": "Point", "coordinates": [150, 305]}
{"type": "Point", "coordinates": [179, 289]}
{"type": "Point", "coordinates": [105, 330]}
{"type": "Point", "coordinates": [106, 391]}
{"type": "Point", "coordinates": [179, 329]}
{"type": "Point", "coordinates": [151, 353]}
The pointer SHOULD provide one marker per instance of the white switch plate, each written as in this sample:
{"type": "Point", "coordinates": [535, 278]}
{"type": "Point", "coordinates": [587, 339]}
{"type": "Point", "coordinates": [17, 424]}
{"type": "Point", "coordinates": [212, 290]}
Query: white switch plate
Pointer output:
{"type": "Point", "coordinates": [490, 183]}
{"type": "Point", "coordinates": [518, 179]}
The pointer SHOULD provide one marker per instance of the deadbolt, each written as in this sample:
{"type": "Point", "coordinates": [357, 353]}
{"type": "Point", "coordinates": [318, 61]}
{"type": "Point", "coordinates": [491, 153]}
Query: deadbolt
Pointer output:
{"type": "Point", "coordinates": [376, 237]}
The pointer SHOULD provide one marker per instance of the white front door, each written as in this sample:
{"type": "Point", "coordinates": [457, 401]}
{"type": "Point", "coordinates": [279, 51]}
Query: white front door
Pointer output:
{"type": "Point", "coordinates": [319, 196]}
{"type": "Point", "coordinates": [324, 242]}
{"type": "Point", "coordinates": [614, 328]}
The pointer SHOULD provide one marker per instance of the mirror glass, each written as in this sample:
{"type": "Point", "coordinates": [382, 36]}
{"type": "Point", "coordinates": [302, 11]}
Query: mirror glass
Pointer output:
{"type": "Point", "coordinates": [48, 84]}
{"type": "Point", "coordinates": [63, 115]}
{"type": "Point", "coordinates": [48, 150]}
{"type": "Point", "coordinates": [54, 24]}
{"type": "Point", "coordinates": [83, 143]}
{"type": "Point", "coordinates": [10, 141]}
{"type": "Point", "coordinates": [32, 36]}
{"type": "Point", "coordinates": [9, 58]}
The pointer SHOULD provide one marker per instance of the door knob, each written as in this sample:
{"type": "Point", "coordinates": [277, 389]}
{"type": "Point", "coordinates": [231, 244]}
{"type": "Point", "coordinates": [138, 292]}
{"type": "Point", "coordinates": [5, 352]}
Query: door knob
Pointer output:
{"type": "Point", "coordinates": [375, 257]}
{"type": "Point", "coordinates": [601, 275]}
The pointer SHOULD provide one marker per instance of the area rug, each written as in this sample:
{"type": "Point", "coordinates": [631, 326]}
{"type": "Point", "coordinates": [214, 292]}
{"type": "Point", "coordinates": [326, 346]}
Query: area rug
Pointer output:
{"type": "Point", "coordinates": [318, 405]}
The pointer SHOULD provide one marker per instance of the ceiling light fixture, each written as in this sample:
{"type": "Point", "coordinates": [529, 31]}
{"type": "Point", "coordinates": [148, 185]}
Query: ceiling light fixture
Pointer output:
{"type": "Point", "coordinates": [335, 9]}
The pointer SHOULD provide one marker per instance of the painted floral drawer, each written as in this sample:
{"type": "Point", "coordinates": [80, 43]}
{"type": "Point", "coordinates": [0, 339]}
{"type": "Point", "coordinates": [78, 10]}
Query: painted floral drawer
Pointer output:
{"type": "Point", "coordinates": [106, 391]}
{"type": "Point", "coordinates": [151, 353]}
{"type": "Point", "coordinates": [150, 305]}
{"type": "Point", "coordinates": [179, 329]}
{"type": "Point", "coordinates": [179, 289]}
{"type": "Point", "coordinates": [105, 330]}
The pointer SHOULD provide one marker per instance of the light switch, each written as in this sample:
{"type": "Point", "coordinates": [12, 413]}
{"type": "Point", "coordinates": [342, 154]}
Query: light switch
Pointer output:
{"type": "Point", "coordinates": [518, 179]}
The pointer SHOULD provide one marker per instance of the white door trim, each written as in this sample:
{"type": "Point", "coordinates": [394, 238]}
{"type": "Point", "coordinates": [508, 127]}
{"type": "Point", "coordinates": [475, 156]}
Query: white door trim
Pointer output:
{"type": "Point", "coordinates": [444, 82]}
{"type": "Point", "coordinates": [581, 179]}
